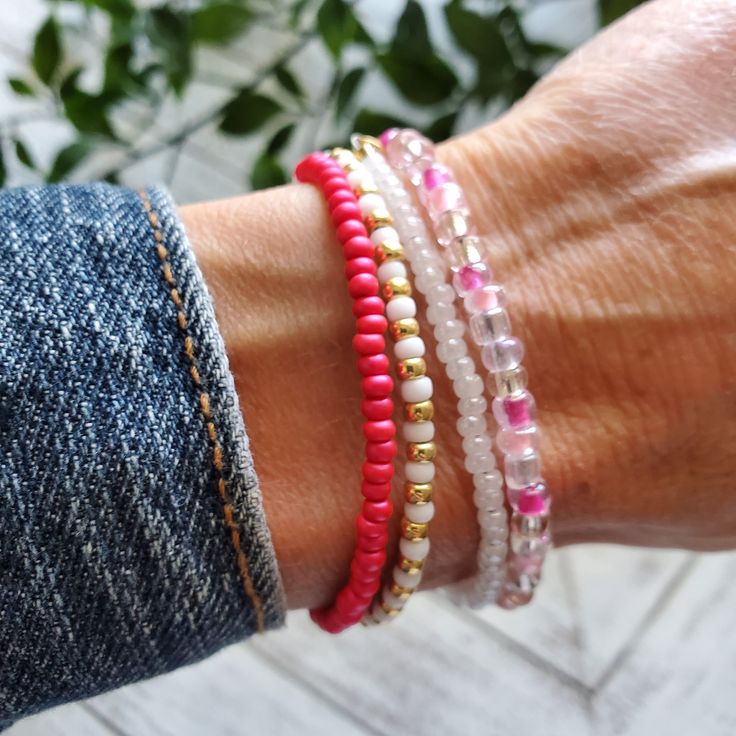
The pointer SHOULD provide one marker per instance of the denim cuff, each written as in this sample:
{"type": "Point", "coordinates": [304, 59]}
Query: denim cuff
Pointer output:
{"type": "Point", "coordinates": [134, 539]}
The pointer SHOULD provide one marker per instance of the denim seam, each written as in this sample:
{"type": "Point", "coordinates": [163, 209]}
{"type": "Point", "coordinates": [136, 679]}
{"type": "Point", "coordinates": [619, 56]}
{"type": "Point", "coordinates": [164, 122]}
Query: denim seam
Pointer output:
{"type": "Point", "coordinates": [204, 407]}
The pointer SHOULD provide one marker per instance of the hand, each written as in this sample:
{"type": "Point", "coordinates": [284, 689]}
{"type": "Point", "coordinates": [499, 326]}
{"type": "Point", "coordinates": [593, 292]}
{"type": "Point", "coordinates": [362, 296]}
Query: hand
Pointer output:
{"type": "Point", "coordinates": [611, 198]}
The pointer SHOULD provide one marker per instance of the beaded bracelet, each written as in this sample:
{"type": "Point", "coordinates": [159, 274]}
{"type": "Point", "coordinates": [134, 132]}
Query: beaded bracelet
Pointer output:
{"type": "Point", "coordinates": [416, 390]}
{"type": "Point", "coordinates": [369, 557]}
{"type": "Point", "coordinates": [452, 350]}
{"type": "Point", "coordinates": [513, 404]}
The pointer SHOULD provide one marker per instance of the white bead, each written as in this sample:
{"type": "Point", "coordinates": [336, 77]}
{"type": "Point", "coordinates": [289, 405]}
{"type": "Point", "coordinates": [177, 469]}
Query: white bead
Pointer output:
{"type": "Point", "coordinates": [466, 387]}
{"type": "Point", "coordinates": [379, 614]}
{"type": "Point", "coordinates": [442, 293]}
{"type": "Point", "coordinates": [409, 347]}
{"type": "Point", "coordinates": [419, 472]}
{"type": "Point", "coordinates": [370, 202]}
{"type": "Point", "coordinates": [448, 329]}
{"type": "Point", "coordinates": [416, 389]}
{"type": "Point", "coordinates": [471, 424]}
{"type": "Point", "coordinates": [414, 549]}
{"type": "Point", "coordinates": [439, 312]}
{"type": "Point", "coordinates": [490, 479]}
{"type": "Point", "coordinates": [419, 513]}
{"type": "Point", "coordinates": [452, 349]}
{"type": "Point", "coordinates": [428, 277]}
{"type": "Point", "coordinates": [357, 177]}
{"type": "Point", "coordinates": [406, 579]}
{"type": "Point", "coordinates": [385, 234]}
{"type": "Point", "coordinates": [476, 444]}
{"type": "Point", "coordinates": [480, 463]}
{"type": "Point", "coordinates": [390, 599]}
{"type": "Point", "coordinates": [418, 431]}
{"type": "Point", "coordinates": [400, 307]}
{"type": "Point", "coordinates": [486, 498]}
{"type": "Point", "coordinates": [390, 270]}
{"type": "Point", "coordinates": [472, 405]}
{"type": "Point", "coordinates": [461, 367]}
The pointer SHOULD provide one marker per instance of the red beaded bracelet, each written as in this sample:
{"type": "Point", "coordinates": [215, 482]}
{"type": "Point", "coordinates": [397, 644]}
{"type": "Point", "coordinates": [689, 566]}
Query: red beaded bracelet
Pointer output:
{"type": "Point", "coordinates": [377, 385]}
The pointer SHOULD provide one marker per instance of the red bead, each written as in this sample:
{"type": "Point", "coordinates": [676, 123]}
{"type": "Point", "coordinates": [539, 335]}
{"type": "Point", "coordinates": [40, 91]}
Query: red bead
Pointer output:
{"type": "Point", "coordinates": [365, 588]}
{"type": "Point", "coordinates": [334, 185]}
{"type": "Point", "coordinates": [345, 212]}
{"type": "Point", "coordinates": [379, 431]}
{"type": "Point", "coordinates": [368, 305]}
{"type": "Point", "coordinates": [377, 387]}
{"type": "Point", "coordinates": [369, 344]}
{"type": "Point", "coordinates": [375, 491]}
{"type": "Point", "coordinates": [372, 324]}
{"type": "Point", "coordinates": [359, 246]}
{"type": "Point", "coordinates": [377, 408]}
{"type": "Point", "coordinates": [359, 265]}
{"type": "Point", "coordinates": [378, 511]}
{"type": "Point", "coordinates": [369, 528]}
{"type": "Point", "coordinates": [363, 284]}
{"type": "Point", "coordinates": [359, 573]}
{"type": "Point", "coordinates": [373, 561]}
{"type": "Point", "coordinates": [380, 452]}
{"type": "Point", "coordinates": [378, 472]}
{"type": "Point", "coordinates": [340, 196]}
{"type": "Point", "coordinates": [373, 544]}
{"type": "Point", "coordinates": [348, 602]}
{"type": "Point", "coordinates": [351, 229]}
{"type": "Point", "coordinates": [373, 365]}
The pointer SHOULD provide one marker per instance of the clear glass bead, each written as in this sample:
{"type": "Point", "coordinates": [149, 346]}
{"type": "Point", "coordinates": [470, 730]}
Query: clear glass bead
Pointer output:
{"type": "Point", "coordinates": [490, 325]}
{"type": "Point", "coordinates": [452, 349]}
{"type": "Point", "coordinates": [529, 526]}
{"type": "Point", "coordinates": [449, 329]}
{"type": "Point", "coordinates": [477, 443]}
{"type": "Point", "coordinates": [508, 383]}
{"type": "Point", "coordinates": [515, 442]}
{"type": "Point", "coordinates": [465, 251]}
{"type": "Point", "coordinates": [530, 500]}
{"type": "Point", "coordinates": [490, 296]}
{"type": "Point", "coordinates": [473, 405]}
{"type": "Point", "coordinates": [515, 412]}
{"type": "Point", "coordinates": [467, 387]}
{"type": "Point", "coordinates": [522, 471]}
{"type": "Point", "coordinates": [461, 367]}
{"type": "Point", "coordinates": [523, 545]}
{"type": "Point", "coordinates": [453, 225]}
{"type": "Point", "coordinates": [471, 424]}
{"type": "Point", "coordinates": [447, 197]}
{"type": "Point", "coordinates": [439, 312]}
{"type": "Point", "coordinates": [502, 354]}
{"type": "Point", "coordinates": [409, 150]}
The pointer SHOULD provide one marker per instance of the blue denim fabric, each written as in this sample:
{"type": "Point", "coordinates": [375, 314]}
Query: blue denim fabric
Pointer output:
{"type": "Point", "coordinates": [116, 562]}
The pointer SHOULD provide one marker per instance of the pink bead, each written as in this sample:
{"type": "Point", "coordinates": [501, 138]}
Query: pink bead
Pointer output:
{"type": "Point", "coordinates": [443, 198]}
{"type": "Point", "coordinates": [375, 491]}
{"type": "Point", "coordinates": [471, 277]}
{"type": "Point", "coordinates": [345, 212]}
{"type": "Point", "coordinates": [491, 296]}
{"type": "Point", "coordinates": [435, 175]}
{"type": "Point", "coordinates": [334, 185]}
{"type": "Point", "coordinates": [373, 365]}
{"type": "Point", "coordinates": [388, 135]}
{"type": "Point", "coordinates": [380, 430]}
{"type": "Point", "coordinates": [359, 265]}
{"type": "Point", "coordinates": [363, 284]}
{"type": "Point", "coordinates": [532, 501]}
{"type": "Point", "coordinates": [518, 442]}
{"type": "Point", "coordinates": [378, 511]}
{"type": "Point", "coordinates": [369, 344]}
{"type": "Point", "coordinates": [515, 412]}
{"type": "Point", "coordinates": [359, 247]}
{"type": "Point", "coordinates": [376, 409]}
{"type": "Point", "coordinates": [372, 324]}
{"type": "Point", "coordinates": [368, 305]}
{"type": "Point", "coordinates": [339, 197]}
{"type": "Point", "coordinates": [351, 229]}
{"type": "Point", "coordinates": [381, 452]}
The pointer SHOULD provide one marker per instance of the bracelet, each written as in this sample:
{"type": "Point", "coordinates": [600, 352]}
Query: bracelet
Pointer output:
{"type": "Point", "coordinates": [513, 405]}
{"type": "Point", "coordinates": [416, 391]}
{"type": "Point", "coordinates": [452, 350]}
{"type": "Point", "coordinates": [364, 581]}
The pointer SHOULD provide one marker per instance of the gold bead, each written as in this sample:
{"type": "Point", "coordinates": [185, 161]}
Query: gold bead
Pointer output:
{"type": "Point", "coordinates": [421, 452]}
{"type": "Point", "coordinates": [396, 286]}
{"type": "Point", "coordinates": [389, 251]}
{"type": "Point", "coordinates": [400, 592]}
{"type": "Point", "coordinates": [410, 567]}
{"type": "Point", "coordinates": [367, 188]}
{"type": "Point", "coordinates": [418, 493]}
{"type": "Point", "coordinates": [402, 328]}
{"type": "Point", "coordinates": [413, 530]}
{"type": "Point", "coordinates": [361, 144]}
{"type": "Point", "coordinates": [388, 610]}
{"type": "Point", "coordinates": [378, 218]}
{"type": "Point", "coordinates": [411, 368]}
{"type": "Point", "coordinates": [423, 411]}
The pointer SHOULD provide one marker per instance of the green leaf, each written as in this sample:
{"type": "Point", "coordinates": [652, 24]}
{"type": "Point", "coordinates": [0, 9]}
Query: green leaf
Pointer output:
{"type": "Point", "coordinates": [123, 9]}
{"type": "Point", "coordinates": [247, 112]}
{"type": "Point", "coordinates": [423, 80]}
{"type": "Point", "coordinates": [288, 81]}
{"type": "Point", "coordinates": [347, 89]}
{"type": "Point", "coordinates": [88, 113]}
{"type": "Point", "coordinates": [47, 50]}
{"type": "Point", "coordinates": [610, 10]}
{"type": "Point", "coordinates": [21, 88]}
{"type": "Point", "coordinates": [267, 172]}
{"type": "Point", "coordinates": [67, 160]}
{"type": "Point", "coordinates": [280, 139]}
{"type": "Point", "coordinates": [372, 122]}
{"type": "Point", "coordinates": [219, 22]}
{"type": "Point", "coordinates": [297, 11]}
{"type": "Point", "coordinates": [337, 25]}
{"type": "Point", "coordinates": [442, 128]}
{"type": "Point", "coordinates": [23, 154]}
{"type": "Point", "coordinates": [168, 31]}
{"type": "Point", "coordinates": [120, 79]}
{"type": "Point", "coordinates": [411, 37]}
{"type": "Point", "coordinates": [3, 170]}
{"type": "Point", "coordinates": [478, 35]}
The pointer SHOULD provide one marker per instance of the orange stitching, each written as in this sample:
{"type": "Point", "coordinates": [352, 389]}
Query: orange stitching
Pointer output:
{"type": "Point", "coordinates": [204, 405]}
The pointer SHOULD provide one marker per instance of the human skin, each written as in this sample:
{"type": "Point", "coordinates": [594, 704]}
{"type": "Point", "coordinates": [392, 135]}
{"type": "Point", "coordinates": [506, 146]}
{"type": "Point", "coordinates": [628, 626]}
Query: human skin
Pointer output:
{"type": "Point", "coordinates": [610, 195]}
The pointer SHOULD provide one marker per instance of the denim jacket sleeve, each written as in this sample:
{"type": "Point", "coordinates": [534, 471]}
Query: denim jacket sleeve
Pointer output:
{"type": "Point", "coordinates": [132, 535]}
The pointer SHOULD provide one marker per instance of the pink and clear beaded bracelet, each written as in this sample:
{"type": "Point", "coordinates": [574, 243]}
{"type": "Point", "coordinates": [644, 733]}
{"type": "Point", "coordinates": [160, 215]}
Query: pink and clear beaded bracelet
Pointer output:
{"type": "Point", "coordinates": [513, 405]}
{"type": "Point", "coordinates": [430, 278]}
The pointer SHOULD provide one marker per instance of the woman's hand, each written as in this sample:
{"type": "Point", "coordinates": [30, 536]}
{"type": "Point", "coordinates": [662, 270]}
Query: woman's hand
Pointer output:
{"type": "Point", "coordinates": [610, 193]}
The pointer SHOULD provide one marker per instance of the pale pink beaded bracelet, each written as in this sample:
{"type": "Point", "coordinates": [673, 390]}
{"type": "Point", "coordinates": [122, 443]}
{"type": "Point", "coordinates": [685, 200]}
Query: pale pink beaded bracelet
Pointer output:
{"type": "Point", "coordinates": [513, 405]}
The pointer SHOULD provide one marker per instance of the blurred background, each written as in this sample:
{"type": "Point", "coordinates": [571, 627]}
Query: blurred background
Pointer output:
{"type": "Point", "coordinates": [215, 98]}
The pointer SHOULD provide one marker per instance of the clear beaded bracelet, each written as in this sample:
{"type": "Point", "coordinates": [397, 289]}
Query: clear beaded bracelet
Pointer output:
{"type": "Point", "coordinates": [430, 279]}
{"type": "Point", "coordinates": [513, 406]}
{"type": "Point", "coordinates": [415, 387]}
